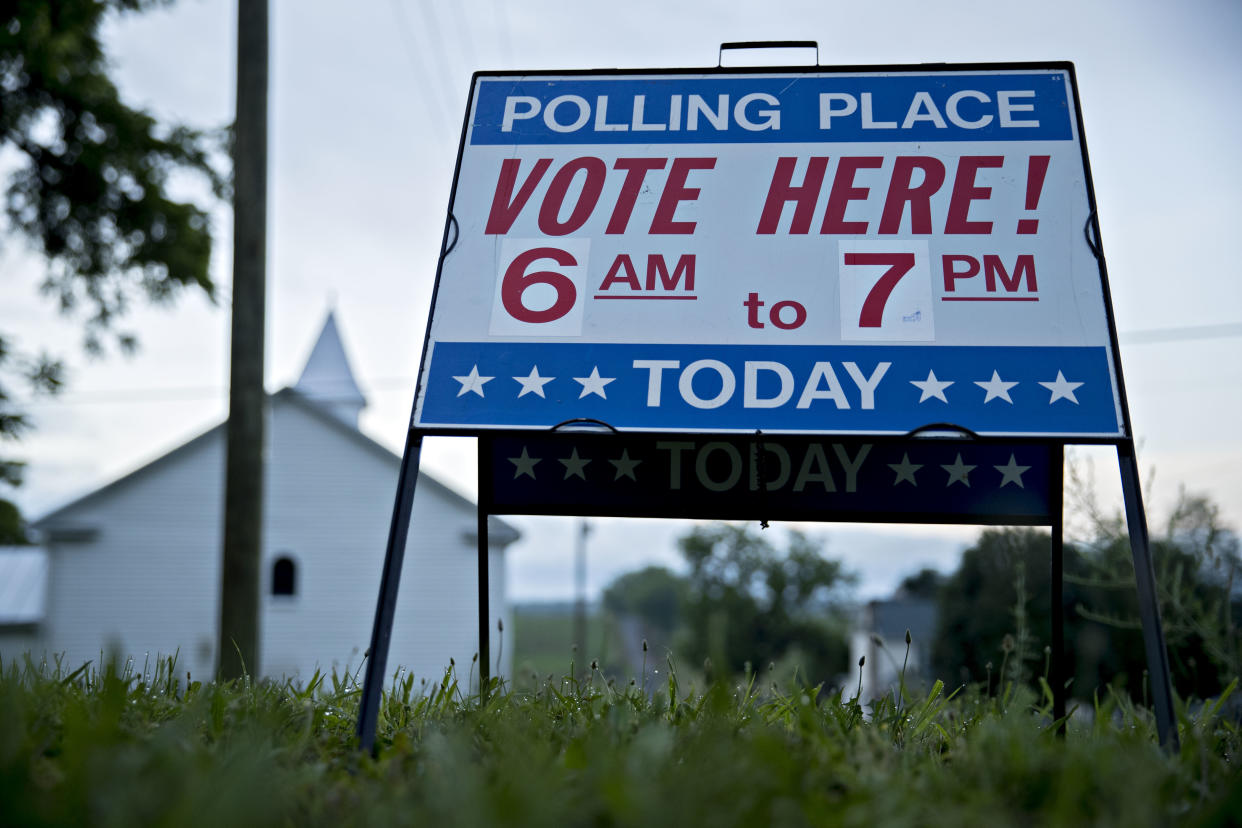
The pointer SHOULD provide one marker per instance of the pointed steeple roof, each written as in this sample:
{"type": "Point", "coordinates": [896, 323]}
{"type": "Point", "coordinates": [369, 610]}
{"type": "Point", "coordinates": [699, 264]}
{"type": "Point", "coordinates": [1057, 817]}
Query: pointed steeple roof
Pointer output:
{"type": "Point", "coordinates": [327, 378]}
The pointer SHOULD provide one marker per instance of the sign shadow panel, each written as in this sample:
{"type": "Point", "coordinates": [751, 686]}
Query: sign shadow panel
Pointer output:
{"type": "Point", "coordinates": [766, 478]}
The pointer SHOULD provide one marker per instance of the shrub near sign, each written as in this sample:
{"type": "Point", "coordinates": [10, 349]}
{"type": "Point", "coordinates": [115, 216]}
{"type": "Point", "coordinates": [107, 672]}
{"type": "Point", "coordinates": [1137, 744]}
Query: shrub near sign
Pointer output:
{"type": "Point", "coordinates": [815, 252]}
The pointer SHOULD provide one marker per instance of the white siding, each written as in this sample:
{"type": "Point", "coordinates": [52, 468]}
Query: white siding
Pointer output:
{"type": "Point", "coordinates": [14, 644]}
{"type": "Point", "coordinates": [148, 584]}
{"type": "Point", "coordinates": [335, 506]}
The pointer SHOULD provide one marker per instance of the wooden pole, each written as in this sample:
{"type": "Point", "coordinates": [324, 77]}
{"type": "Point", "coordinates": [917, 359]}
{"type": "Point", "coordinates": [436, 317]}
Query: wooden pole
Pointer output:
{"type": "Point", "coordinates": [243, 487]}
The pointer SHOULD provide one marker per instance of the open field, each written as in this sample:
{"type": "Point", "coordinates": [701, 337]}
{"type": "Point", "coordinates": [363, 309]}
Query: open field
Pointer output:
{"type": "Point", "coordinates": [543, 643]}
{"type": "Point", "coordinates": [142, 745]}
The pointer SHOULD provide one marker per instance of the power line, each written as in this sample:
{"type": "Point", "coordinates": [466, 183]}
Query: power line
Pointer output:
{"type": "Point", "coordinates": [506, 45]}
{"type": "Point", "coordinates": [463, 32]}
{"type": "Point", "coordinates": [439, 57]}
{"type": "Point", "coordinates": [1183, 334]}
{"type": "Point", "coordinates": [431, 102]}
{"type": "Point", "coordinates": [403, 383]}
{"type": "Point", "coordinates": [184, 394]}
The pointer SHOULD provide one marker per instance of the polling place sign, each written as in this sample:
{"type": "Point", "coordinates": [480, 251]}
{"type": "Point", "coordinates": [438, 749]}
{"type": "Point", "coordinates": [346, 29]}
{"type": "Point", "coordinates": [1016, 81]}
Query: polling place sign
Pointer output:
{"type": "Point", "coordinates": [788, 477]}
{"type": "Point", "coordinates": [816, 252]}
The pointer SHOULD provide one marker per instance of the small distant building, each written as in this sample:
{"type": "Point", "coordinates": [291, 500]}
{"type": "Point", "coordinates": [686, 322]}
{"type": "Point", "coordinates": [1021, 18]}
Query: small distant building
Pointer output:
{"type": "Point", "coordinates": [881, 637]}
{"type": "Point", "coordinates": [133, 568]}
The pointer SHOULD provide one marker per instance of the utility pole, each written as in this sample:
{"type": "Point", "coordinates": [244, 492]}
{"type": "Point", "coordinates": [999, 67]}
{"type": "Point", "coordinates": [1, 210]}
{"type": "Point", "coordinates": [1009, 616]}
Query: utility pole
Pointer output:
{"type": "Point", "coordinates": [580, 586]}
{"type": "Point", "coordinates": [243, 486]}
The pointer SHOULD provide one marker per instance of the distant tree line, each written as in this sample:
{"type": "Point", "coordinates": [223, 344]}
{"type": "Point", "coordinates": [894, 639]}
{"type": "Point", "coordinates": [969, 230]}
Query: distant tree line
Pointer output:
{"type": "Point", "coordinates": [745, 602]}
{"type": "Point", "coordinates": [997, 606]}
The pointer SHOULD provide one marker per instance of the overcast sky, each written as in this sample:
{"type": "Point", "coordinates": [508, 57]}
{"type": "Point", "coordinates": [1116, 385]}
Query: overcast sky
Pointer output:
{"type": "Point", "coordinates": [367, 100]}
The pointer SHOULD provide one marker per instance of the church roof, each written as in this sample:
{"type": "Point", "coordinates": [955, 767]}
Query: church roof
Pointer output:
{"type": "Point", "coordinates": [327, 377]}
{"type": "Point", "coordinates": [53, 523]}
{"type": "Point", "coordinates": [326, 390]}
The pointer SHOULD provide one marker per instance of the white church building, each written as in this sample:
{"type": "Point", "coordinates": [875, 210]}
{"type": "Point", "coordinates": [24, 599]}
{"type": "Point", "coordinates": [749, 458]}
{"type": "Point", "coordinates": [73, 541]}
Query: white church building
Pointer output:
{"type": "Point", "coordinates": [133, 568]}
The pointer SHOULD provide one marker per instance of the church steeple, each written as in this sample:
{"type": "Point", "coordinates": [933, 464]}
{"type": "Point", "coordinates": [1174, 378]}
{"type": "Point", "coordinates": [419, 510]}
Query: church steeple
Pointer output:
{"type": "Point", "coordinates": [327, 378]}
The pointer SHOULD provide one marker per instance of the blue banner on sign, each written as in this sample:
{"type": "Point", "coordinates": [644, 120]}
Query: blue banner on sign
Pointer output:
{"type": "Point", "coordinates": [1048, 391]}
{"type": "Point", "coordinates": [773, 109]}
{"type": "Point", "coordinates": [766, 478]}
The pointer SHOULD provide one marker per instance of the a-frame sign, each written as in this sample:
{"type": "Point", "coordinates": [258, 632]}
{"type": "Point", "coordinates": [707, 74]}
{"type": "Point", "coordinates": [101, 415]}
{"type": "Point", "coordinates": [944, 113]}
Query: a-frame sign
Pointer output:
{"type": "Point", "coordinates": [809, 252]}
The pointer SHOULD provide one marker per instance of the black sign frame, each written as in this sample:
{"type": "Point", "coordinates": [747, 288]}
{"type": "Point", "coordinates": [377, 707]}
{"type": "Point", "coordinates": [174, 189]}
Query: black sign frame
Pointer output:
{"type": "Point", "coordinates": [1153, 634]}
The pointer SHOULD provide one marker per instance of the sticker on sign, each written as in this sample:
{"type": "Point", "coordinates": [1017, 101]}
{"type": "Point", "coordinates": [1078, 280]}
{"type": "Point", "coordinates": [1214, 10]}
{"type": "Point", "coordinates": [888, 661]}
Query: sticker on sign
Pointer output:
{"type": "Point", "coordinates": [819, 252]}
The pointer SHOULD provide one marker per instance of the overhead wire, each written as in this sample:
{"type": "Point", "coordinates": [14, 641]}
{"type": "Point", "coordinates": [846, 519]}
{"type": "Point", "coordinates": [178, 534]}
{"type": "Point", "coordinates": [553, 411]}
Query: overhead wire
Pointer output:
{"type": "Point", "coordinates": [383, 384]}
{"type": "Point", "coordinates": [432, 102]}
{"type": "Point", "coordinates": [463, 33]}
{"type": "Point", "coordinates": [1182, 334]}
{"type": "Point", "coordinates": [440, 59]}
{"type": "Point", "coordinates": [502, 27]}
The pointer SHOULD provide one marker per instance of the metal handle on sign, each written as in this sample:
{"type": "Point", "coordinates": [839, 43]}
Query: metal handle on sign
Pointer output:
{"type": "Point", "coordinates": [1091, 233]}
{"type": "Point", "coordinates": [767, 44]}
{"type": "Point", "coordinates": [944, 431]}
{"type": "Point", "coordinates": [584, 424]}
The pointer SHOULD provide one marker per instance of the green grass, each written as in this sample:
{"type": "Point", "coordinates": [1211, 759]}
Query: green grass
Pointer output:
{"type": "Point", "coordinates": [124, 746]}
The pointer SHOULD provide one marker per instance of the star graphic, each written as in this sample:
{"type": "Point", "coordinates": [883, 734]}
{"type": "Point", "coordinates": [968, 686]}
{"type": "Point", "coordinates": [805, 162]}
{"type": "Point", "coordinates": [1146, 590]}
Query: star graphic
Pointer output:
{"type": "Point", "coordinates": [524, 465]}
{"type": "Point", "coordinates": [905, 469]}
{"type": "Point", "coordinates": [625, 466]}
{"type": "Point", "coordinates": [533, 383]}
{"type": "Point", "coordinates": [473, 382]}
{"type": "Point", "coordinates": [1062, 389]}
{"type": "Point", "coordinates": [593, 384]}
{"type": "Point", "coordinates": [958, 471]}
{"type": "Point", "coordinates": [575, 466]}
{"type": "Point", "coordinates": [996, 387]}
{"type": "Point", "coordinates": [1012, 473]}
{"type": "Point", "coordinates": [932, 387]}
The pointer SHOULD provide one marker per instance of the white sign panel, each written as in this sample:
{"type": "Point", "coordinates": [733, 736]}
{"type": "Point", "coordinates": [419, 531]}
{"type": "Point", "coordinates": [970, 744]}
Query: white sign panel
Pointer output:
{"type": "Point", "coordinates": [816, 252]}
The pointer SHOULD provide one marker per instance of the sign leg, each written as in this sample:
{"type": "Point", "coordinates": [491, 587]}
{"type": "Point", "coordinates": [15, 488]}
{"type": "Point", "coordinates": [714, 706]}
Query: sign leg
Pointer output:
{"type": "Point", "coordinates": [1056, 672]}
{"type": "Point", "coordinates": [386, 604]}
{"type": "Point", "coordinates": [484, 631]}
{"type": "Point", "coordinates": [1149, 607]}
{"type": "Point", "coordinates": [580, 586]}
